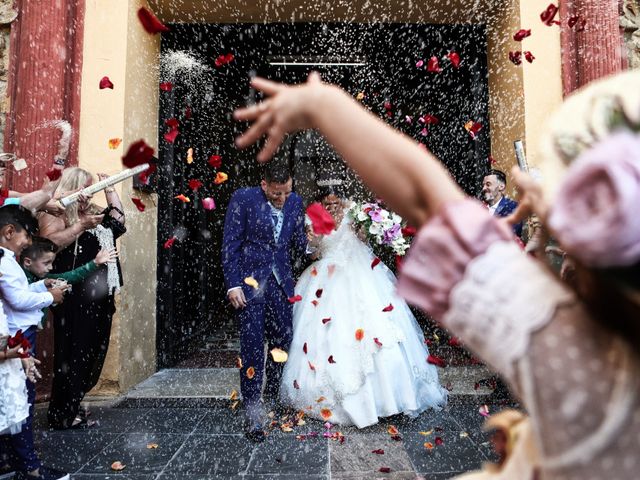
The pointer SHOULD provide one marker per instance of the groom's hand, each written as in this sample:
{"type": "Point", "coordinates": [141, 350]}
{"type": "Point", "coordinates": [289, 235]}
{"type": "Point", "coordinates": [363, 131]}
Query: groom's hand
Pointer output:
{"type": "Point", "coordinates": [237, 299]}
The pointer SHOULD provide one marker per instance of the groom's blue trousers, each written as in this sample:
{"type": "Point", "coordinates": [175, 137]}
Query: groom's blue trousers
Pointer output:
{"type": "Point", "coordinates": [268, 316]}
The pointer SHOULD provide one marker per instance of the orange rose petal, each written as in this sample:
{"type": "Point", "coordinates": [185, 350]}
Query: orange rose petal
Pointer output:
{"type": "Point", "coordinates": [251, 372]}
{"type": "Point", "coordinates": [238, 362]}
{"type": "Point", "coordinates": [359, 334]}
{"type": "Point", "coordinates": [392, 430]}
{"type": "Point", "coordinates": [428, 445]}
{"type": "Point", "coordinates": [114, 143]}
{"type": "Point", "coordinates": [234, 395]}
{"type": "Point", "coordinates": [152, 446]}
{"type": "Point", "coordinates": [320, 399]}
{"type": "Point", "coordinates": [117, 466]}
{"type": "Point", "coordinates": [221, 177]}
{"type": "Point", "coordinates": [182, 198]}
{"type": "Point", "coordinates": [326, 413]}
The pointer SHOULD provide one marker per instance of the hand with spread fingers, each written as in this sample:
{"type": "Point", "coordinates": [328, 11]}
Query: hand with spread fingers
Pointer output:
{"type": "Point", "coordinates": [287, 110]}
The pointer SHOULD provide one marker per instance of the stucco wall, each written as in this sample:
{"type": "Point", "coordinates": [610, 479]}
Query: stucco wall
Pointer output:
{"type": "Point", "coordinates": [115, 45]}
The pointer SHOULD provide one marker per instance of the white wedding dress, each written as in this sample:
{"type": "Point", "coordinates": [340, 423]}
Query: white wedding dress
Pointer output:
{"type": "Point", "coordinates": [330, 370]}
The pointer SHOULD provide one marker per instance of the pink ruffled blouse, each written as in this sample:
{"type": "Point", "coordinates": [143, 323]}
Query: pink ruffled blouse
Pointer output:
{"type": "Point", "coordinates": [578, 381]}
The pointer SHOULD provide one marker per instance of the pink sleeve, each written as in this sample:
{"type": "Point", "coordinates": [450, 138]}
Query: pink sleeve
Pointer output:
{"type": "Point", "coordinates": [441, 251]}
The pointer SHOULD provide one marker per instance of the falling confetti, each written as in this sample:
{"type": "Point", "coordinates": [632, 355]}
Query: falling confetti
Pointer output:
{"type": "Point", "coordinates": [549, 14]}
{"type": "Point", "coordinates": [252, 282]}
{"type": "Point", "coordinates": [521, 35]}
{"type": "Point", "coordinates": [105, 83]}
{"type": "Point", "coordinates": [150, 22]}
{"type": "Point", "coordinates": [221, 177]}
{"type": "Point", "coordinates": [166, 86]}
{"type": "Point", "coordinates": [182, 198]}
{"type": "Point", "coordinates": [359, 334]}
{"type": "Point", "coordinates": [251, 373]}
{"type": "Point", "coordinates": [189, 156]}
{"type": "Point", "coordinates": [208, 203]}
{"type": "Point", "coordinates": [279, 355]}
{"type": "Point", "coordinates": [215, 161]}
{"type": "Point", "coordinates": [138, 203]}
{"type": "Point", "coordinates": [114, 143]}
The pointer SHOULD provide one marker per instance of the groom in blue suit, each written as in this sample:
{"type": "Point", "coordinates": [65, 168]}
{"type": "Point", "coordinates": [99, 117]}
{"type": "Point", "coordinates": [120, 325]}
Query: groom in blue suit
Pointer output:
{"type": "Point", "coordinates": [263, 228]}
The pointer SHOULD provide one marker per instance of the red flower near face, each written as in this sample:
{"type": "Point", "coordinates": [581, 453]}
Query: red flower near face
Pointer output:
{"type": "Point", "coordinates": [388, 308]}
{"type": "Point", "coordinates": [454, 58]}
{"type": "Point", "coordinates": [409, 231]}
{"type": "Point", "coordinates": [375, 262]}
{"type": "Point", "coordinates": [105, 83]}
{"type": "Point", "coordinates": [321, 220]}
{"type": "Point", "coordinates": [195, 184]}
{"type": "Point", "coordinates": [521, 35]}
{"type": "Point", "coordinates": [138, 203]}
{"type": "Point", "coordinates": [137, 154]}
{"type": "Point", "coordinates": [529, 57]}
{"type": "Point", "coordinates": [150, 22]}
{"type": "Point", "coordinates": [433, 65]}
{"type": "Point", "coordinates": [437, 361]}
{"type": "Point", "coordinates": [295, 298]}
{"type": "Point", "coordinates": [215, 161]}
{"type": "Point", "coordinates": [549, 14]}
{"type": "Point", "coordinates": [166, 86]}
{"type": "Point", "coordinates": [169, 243]}
{"type": "Point", "coordinates": [515, 57]}
{"type": "Point", "coordinates": [54, 174]}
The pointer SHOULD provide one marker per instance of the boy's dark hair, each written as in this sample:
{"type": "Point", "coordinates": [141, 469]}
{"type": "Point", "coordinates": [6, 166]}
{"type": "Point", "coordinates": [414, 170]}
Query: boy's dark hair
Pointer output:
{"type": "Point", "coordinates": [38, 247]}
{"type": "Point", "coordinates": [500, 175]}
{"type": "Point", "coordinates": [276, 173]}
{"type": "Point", "coordinates": [20, 218]}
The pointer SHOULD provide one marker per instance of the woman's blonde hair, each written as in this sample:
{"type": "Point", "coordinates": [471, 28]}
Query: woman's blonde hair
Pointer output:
{"type": "Point", "coordinates": [72, 179]}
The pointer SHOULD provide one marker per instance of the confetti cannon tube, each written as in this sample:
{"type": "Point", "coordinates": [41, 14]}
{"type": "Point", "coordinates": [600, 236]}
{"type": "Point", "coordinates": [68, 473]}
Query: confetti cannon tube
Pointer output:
{"type": "Point", "coordinates": [106, 183]}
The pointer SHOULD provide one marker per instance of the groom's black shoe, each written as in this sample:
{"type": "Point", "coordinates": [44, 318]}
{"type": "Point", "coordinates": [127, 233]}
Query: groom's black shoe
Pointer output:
{"type": "Point", "coordinates": [254, 422]}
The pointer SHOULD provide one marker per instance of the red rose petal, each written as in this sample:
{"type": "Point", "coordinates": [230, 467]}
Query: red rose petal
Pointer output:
{"type": "Point", "coordinates": [228, 58]}
{"type": "Point", "coordinates": [169, 243]}
{"type": "Point", "coordinates": [549, 14]}
{"type": "Point", "coordinates": [171, 135]}
{"type": "Point", "coordinates": [437, 361]}
{"type": "Point", "coordinates": [150, 22]}
{"type": "Point", "coordinates": [319, 293]}
{"type": "Point", "coordinates": [314, 303]}
{"type": "Point", "coordinates": [295, 385]}
{"type": "Point", "coordinates": [144, 176]}
{"type": "Point", "coordinates": [454, 58]}
{"type": "Point", "coordinates": [322, 221]}
{"type": "Point", "coordinates": [377, 342]}
{"type": "Point", "coordinates": [515, 57]}
{"type": "Point", "coordinates": [215, 161]}
{"type": "Point", "coordinates": [138, 153]}
{"type": "Point", "coordinates": [311, 366]}
{"type": "Point", "coordinates": [438, 441]}
{"type": "Point", "coordinates": [330, 359]}
{"type": "Point", "coordinates": [388, 308]}
{"type": "Point", "coordinates": [105, 83]}
{"type": "Point", "coordinates": [375, 262]}
{"type": "Point", "coordinates": [138, 203]}
{"type": "Point", "coordinates": [304, 347]}
{"type": "Point", "coordinates": [172, 123]}
{"type": "Point", "coordinates": [454, 342]}
{"type": "Point", "coordinates": [429, 119]}
{"type": "Point", "coordinates": [379, 451]}
{"type": "Point", "coordinates": [384, 470]}
{"type": "Point", "coordinates": [195, 184]}
{"type": "Point", "coordinates": [166, 86]}
{"type": "Point", "coordinates": [295, 298]}
{"type": "Point", "coordinates": [529, 57]}
{"type": "Point", "coordinates": [326, 320]}
{"type": "Point", "coordinates": [521, 34]}
{"type": "Point", "coordinates": [409, 231]}
{"type": "Point", "coordinates": [433, 65]}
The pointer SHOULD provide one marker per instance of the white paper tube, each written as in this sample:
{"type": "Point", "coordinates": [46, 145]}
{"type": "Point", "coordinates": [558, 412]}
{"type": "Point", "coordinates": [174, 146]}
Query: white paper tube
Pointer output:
{"type": "Point", "coordinates": [520, 157]}
{"type": "Point", "coordinates": [106, 183]}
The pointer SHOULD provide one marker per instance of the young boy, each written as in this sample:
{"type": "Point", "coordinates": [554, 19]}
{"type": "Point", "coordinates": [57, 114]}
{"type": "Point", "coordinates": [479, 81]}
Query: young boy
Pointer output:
{"type": "Point", "coordinates": [37, 261]}
{"type": "Point", "coordinates": [22, 305]}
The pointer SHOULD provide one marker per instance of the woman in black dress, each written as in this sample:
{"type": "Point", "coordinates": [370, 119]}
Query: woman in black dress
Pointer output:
{"type": "Point", "coordinates": [82, 323]}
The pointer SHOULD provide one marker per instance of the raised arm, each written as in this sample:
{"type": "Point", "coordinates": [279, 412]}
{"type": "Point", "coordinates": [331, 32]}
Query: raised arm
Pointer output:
{"type": "Point", "coordinates": [410, 179]}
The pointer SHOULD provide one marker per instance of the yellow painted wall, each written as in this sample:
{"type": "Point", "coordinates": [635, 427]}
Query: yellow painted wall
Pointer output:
{"type": "Point", "coordinates": [116, 45]}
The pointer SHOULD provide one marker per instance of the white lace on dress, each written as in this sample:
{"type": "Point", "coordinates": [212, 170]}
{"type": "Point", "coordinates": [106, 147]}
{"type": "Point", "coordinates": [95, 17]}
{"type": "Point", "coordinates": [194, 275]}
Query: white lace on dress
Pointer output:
{"type": "Point", "coordinates": [14, 404]}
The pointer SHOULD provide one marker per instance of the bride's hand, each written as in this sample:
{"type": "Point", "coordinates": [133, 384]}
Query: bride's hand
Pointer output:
{"type": "Point", "coordinates": [288, 109]}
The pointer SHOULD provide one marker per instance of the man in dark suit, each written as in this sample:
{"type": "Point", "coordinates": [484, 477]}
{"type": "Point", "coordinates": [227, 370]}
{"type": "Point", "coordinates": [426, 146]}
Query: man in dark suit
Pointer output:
{"type": "Point", "coordinates": [494, 185]}
{"type": "Point", "coordinates": [263, 226]}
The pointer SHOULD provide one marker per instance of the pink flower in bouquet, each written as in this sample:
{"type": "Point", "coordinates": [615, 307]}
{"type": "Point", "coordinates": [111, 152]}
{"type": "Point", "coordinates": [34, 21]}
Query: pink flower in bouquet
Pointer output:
{"type": "Point", "coordinates": [375, 214]}
{"type": "Point", "coordinates": [595, 216]}
{"type": "Point", "coordinates": [392, 233]}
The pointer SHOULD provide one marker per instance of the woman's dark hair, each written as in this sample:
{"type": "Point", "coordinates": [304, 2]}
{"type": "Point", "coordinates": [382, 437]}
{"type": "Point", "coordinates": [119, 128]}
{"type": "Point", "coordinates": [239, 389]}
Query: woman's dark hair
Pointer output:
{"type": "Point", "coordinates": [276, 173]}
{"type": "Point", "coordinates": [324, 192]}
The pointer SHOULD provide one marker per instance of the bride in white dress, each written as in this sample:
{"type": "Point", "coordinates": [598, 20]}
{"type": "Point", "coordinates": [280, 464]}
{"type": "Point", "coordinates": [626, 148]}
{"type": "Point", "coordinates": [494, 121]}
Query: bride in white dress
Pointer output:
{"type": "Point", "coordinates": [353, 358]}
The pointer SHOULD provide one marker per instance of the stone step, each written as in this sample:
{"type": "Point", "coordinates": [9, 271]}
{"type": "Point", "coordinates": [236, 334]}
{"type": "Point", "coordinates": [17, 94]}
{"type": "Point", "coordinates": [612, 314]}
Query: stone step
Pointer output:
{"type": "Point", "coordinates": [203, 387]}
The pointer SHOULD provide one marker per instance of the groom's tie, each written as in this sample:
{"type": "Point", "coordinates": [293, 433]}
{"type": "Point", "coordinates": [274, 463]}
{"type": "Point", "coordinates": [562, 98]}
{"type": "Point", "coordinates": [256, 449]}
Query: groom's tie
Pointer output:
{"type": "Point", "coordinates": [277, 218]}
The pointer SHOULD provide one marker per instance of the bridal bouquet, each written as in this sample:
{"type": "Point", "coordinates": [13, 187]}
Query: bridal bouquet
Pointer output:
{"type": "Point", "coordinates": [381, 226]}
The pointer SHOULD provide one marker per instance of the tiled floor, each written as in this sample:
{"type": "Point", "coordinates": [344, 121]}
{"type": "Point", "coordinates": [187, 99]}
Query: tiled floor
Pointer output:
{"type": "Point", "coordinates": [208, 443]}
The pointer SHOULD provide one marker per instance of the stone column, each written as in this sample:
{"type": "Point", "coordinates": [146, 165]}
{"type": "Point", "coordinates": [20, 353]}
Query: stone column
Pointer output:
{"type": "Point", "coordinates": [630, 23]}
{"type": "Point", "coordinates": [44, 84]}
{"type": "Point", "coordinates": [594, 52]}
